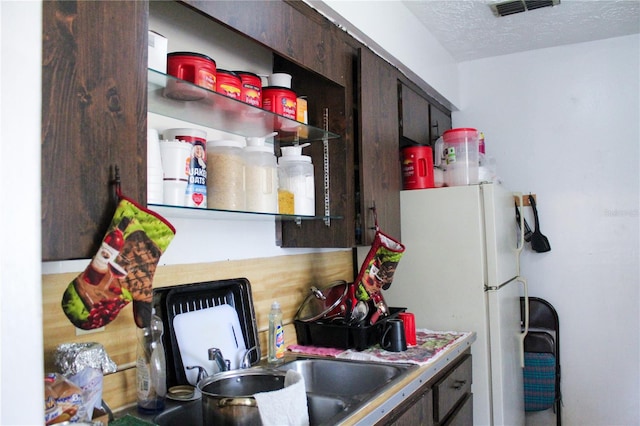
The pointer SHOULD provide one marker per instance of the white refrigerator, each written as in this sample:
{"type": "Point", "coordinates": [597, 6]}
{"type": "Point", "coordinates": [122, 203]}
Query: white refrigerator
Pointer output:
{"type": "Point", "coordinates": [460, 272]}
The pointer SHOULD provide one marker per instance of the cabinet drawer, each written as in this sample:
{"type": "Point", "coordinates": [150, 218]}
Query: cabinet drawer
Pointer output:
{"type": "Point", "coordinates": [463, 415]}
{"type": "Point", "coordinates": [452, 388]}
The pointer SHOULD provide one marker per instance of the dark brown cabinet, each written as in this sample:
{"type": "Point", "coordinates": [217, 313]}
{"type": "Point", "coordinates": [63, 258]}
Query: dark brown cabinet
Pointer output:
{"type": "Point", "coordinates": [440, 119]}
{"type": "Point", "coordinates": [94, 118]}
{"type": "Point", "coordinates": [319, 56]}
{"type": "Point", "coordinates": [413, 113]}
{"type": "Point", "coordinates": [94, 100]}
{"type": "Point", "coordinates": [422, 120]}
{"type": "Point", "coordinates": [444, 400]}
{"type": "Point", "coordinates": [378, 157]}
{"type": "Point", "coordinates": [450, 393]}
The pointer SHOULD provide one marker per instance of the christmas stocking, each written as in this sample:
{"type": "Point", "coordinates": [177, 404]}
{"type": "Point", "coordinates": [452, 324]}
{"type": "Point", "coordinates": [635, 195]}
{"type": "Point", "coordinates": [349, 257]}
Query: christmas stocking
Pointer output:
{"type": "Point", "coordinates": [121, 271]}
{"type": "Point", "coordinates": [377, 272]}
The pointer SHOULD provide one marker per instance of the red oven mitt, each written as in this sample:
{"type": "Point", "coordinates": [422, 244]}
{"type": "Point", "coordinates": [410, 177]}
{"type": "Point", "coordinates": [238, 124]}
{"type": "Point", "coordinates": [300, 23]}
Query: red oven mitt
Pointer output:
{"type": "Point", "coordinates": [121, 271]}
{"type": "Point", "coordinates": [377, 271]}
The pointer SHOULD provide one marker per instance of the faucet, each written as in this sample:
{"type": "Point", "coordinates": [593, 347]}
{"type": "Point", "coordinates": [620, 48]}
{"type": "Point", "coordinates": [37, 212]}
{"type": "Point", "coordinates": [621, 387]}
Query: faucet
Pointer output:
{"type": "Point", "coordinates": [215, 354]}
{"type": "Point", "coordinates": [202, 373]}
{"type": "Point", "coordinates": [246, 361]}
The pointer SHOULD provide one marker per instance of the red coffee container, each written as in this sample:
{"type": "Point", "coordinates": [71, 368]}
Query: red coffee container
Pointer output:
{"type": "Point", "coordinates": [250, 88]}
{"type": "Point", "coordinates": [228, 83]}
{"type": "Point", "coordinates": [280, 100]}
{"type": "Point", "coordinates": [193, 67]}
{"type": "Point", "coordinates": [417, 167]}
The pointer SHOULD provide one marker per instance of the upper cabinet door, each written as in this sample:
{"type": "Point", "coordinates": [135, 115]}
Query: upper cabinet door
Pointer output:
{"type": "Point", "coordinates": [94, 102]}
{"type": "Point", "coordinates": [440, 119]}
{"type": "Point", "coordinates": [378, 154]}
{"type": "Point", "coordinates": [414, 115]}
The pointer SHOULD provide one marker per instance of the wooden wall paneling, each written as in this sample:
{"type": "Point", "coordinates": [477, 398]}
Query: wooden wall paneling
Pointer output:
{"type": "Point", "coordinates": [285, 278]}
{"type": "Point", "coordinates": [93, 117]}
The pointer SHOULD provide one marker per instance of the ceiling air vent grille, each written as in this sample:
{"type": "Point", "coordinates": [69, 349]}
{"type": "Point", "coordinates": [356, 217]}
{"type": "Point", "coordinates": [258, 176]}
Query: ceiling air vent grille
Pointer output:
{"type": "Point", "coordinates": [518, 6]}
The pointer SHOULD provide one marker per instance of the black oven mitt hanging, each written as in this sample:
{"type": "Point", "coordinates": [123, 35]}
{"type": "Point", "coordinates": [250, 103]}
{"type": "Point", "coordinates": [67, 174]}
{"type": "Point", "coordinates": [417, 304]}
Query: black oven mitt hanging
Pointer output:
{"type": "Point", "coordinates": [121, 271]}
{"type": "Point", "coordinates": [377, 270]}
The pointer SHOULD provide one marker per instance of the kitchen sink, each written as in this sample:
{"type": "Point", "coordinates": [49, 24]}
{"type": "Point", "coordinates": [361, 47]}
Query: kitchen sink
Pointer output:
{"type": "Point", "coordinates": [344, 378]}
{"type": "Point", "coordinates": [184, 413]}
{"type": "Point", "coordinates": [335, 389]}
{"type": "Point", "coordinates": [321, 409]}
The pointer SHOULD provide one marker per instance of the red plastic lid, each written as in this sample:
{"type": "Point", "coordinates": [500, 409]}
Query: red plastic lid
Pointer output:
{"type": "Point", "coordinates": [190, 55]}
{"type": "Point", "coordinates": [459, 130]}
{"type": "Point", "coordinates": [458, 134]}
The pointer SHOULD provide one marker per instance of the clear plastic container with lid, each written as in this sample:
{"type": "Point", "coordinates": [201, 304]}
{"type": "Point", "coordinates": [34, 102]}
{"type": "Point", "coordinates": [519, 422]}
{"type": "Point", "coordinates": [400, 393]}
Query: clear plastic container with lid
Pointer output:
{"type": "Point", "coordinates": [296, 179]}
{"type": "Point", "coordinates": [225, 178]}
{"type": "Point", "coordinates": [261, 176]}
{"type": "Point", "coordinates": [461, 153]}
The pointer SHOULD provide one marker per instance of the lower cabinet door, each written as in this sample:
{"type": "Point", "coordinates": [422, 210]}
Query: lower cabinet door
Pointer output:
{"type": "Point", "coordinates": [463, 415]}
{"type": "Point", "coordinates": [452, 388]}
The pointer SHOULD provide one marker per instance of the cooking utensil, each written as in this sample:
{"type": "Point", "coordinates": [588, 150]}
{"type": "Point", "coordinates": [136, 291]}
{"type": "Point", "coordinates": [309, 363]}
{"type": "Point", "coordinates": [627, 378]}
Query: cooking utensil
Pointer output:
{"type": "Point", "coordinates": [227, 398]}
{"type": "Point", "coordinates": [539, 242]}
{"type": "Point", "coordinates": [359, 313]}
{"type": "Point", "coordinates": [527, 230]}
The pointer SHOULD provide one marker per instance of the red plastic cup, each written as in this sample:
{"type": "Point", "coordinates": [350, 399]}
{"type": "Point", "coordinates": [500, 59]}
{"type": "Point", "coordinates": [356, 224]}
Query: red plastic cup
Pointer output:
{"type": "Point", "coordinates": [409, 321]}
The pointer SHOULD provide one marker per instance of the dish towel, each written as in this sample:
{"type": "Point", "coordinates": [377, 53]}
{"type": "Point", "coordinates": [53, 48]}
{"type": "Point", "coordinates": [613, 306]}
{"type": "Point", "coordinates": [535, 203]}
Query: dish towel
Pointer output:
{"type": "Point", "coordinates": [287, 406]}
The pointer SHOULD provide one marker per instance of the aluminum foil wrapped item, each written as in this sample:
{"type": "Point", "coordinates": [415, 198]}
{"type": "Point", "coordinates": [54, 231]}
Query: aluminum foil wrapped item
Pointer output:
{"type": "Point", "coordinates": [71, 358]}
{"type": "Point", "coordinates": [84, 365]}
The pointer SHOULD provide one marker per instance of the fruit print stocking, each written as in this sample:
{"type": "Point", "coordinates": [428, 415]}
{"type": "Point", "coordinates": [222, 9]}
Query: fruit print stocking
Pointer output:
{"type": "Point", "coordinates": [121, 271]}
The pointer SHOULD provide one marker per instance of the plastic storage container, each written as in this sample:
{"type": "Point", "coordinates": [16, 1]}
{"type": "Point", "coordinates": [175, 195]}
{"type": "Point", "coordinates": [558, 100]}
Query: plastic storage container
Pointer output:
{"type": "Point", "coordinates": [251, 88]}
{"type": "Point", "coordinates": [280, 100]}
{"type": "Point", "coordinates": [461, 153]}
{"type": "Point", "coordinates": [192, 67]}
{"type": "Point", "coordinates": [296, 178]}
{"type": "Point", "coordinates": [225, 180]}
{"type": "Point", "coordinates": [261, 176]}
{"type": "Point", "coordinates": [196, 192]}
{"type": "Point", "coordinates": [417, 167]}
{"type": "Point", "coordinates": [228, 83]}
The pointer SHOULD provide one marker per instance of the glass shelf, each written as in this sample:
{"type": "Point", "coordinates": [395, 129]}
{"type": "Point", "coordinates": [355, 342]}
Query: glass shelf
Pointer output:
{"type": "Point", "coordinates": [200, 213]}
{"type": "Point", "coordinates": [185, 101]}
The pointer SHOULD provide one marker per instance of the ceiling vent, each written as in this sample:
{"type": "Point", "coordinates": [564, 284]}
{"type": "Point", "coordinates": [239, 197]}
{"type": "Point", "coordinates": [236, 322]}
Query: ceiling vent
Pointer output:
{"type": "Point", "coordinates": [517, 6]}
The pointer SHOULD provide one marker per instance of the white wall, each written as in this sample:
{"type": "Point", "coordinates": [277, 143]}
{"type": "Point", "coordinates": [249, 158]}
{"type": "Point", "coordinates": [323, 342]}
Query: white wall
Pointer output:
{"type": "Point", "coordinates": [564, 123]}
{"type": "Point", "coordinates": [388, 28]}
{"type": "Point", "coordinates": [21, 363]}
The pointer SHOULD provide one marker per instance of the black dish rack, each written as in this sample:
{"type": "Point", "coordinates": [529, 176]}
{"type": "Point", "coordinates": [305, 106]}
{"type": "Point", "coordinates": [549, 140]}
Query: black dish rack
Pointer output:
{"type": "Point", "coordinates": [172, 301]}
{"type": "Point", "coordinates": [328, 334]}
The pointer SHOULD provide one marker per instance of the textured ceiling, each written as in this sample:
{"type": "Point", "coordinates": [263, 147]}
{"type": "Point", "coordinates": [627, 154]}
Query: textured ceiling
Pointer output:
{"type": "Point", "coordinates": [468, 29]}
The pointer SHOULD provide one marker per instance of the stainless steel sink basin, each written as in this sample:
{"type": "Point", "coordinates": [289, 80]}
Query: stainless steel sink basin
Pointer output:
{"type": "Point", "coordinates": [335, 389]}
{"type": "Point", "coordinates": [343, 377]}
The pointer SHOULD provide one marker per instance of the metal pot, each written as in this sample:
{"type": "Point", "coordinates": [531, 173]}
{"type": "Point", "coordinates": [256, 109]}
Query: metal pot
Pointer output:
{"type": "Point", "coordinates": [227, 398]}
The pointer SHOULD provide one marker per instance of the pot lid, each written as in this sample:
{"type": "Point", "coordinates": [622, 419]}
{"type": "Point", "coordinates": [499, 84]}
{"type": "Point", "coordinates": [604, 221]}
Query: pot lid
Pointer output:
{"type": "Point", "coordinates": [321, 302]}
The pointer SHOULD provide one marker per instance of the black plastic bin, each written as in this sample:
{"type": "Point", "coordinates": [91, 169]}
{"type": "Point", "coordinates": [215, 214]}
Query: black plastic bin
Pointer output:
{"type": "Point", "coordinates": [331, 335]}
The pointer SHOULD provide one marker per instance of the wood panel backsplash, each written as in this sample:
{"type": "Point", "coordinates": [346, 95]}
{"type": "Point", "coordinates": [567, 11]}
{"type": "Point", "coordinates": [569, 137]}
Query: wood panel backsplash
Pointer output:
{"type": "Point", "coordinates": [285, 278]}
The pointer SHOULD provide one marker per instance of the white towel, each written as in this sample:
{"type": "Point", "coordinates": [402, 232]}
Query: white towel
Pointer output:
{"type": "Point", "coordinates": [287, 406]}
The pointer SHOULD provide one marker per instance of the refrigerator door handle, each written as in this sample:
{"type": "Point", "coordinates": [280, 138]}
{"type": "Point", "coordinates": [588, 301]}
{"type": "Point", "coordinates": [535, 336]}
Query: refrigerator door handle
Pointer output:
{"type": "Point", "coordinates": [520, 243]}
{"type": "Point", "coordinates": [525, 326]}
